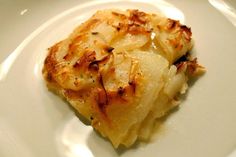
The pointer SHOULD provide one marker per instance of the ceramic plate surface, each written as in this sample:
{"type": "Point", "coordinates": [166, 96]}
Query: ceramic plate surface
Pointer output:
{"type": "Point", "coordinates": [35, 123]}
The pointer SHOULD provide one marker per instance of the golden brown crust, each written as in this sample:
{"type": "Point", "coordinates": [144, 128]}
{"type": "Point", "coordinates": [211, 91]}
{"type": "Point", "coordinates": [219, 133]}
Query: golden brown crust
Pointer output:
{"type": "Point", "coordinates": [191, 66]}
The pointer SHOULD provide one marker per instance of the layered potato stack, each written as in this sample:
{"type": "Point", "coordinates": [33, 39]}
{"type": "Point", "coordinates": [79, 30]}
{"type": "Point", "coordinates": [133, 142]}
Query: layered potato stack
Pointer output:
{"type": "Point", "coordinates": [122, 70]}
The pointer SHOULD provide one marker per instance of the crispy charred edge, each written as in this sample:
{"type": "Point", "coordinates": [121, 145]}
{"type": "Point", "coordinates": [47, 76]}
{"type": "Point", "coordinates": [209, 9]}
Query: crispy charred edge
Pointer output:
{"type": "Point", "coordinates": [183, 58]}
{"type": "Point", "coordinates": [187, 32]}
{"type": "Point", "coordinates": [191, 66]}
{"type": "Point", "coordinates": [50, 62]}
{"type": "Point", "coordinates": [182, 30]}
{"type": "Point", "coordinates": [134, 23]}
{"type": "Point", "coordinates": [137, 17]}
{"type": "Point", "coordinates": [172, 24]}
{"type": "Point", "coordinates": [175, 24]}
{"type": "Point", "coordinates": [137, 21]}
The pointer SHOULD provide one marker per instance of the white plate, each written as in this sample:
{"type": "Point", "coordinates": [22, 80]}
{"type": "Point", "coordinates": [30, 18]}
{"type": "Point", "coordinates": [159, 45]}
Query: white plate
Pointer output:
{"type": "Point", "coordinates": [35, 123]}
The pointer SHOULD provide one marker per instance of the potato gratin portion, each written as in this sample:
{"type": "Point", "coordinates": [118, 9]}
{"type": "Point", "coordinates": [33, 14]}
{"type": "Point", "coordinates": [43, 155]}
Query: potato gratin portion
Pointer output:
{"type": "Point", "coordinates": [122, 70]}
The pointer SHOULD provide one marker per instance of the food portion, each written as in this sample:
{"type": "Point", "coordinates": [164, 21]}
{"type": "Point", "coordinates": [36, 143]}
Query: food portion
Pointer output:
{"type": "Point", "coordinates": [122, 70]}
